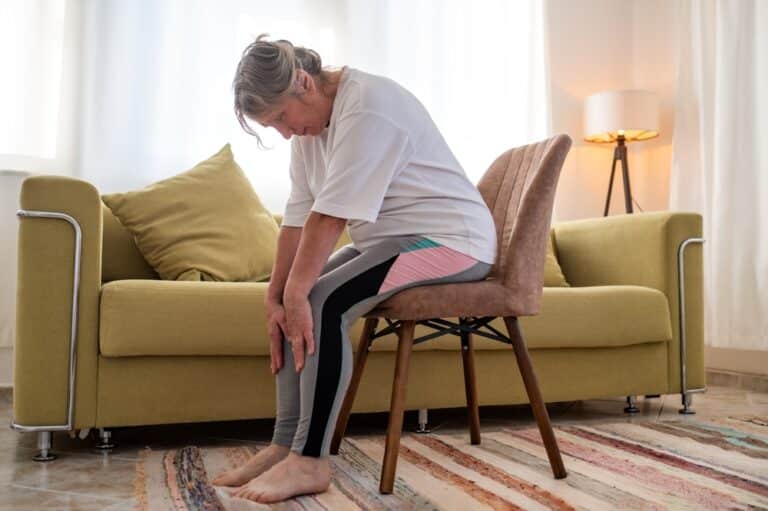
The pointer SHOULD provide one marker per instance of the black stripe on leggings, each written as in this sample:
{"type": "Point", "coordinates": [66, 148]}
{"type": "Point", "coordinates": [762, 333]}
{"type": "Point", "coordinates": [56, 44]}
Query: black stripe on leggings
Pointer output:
{"type": "Point", "coordinates": [355, 290]}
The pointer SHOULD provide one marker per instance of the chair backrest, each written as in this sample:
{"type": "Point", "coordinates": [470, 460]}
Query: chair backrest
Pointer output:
{"type": "Point", "coordinates": [519, 189]}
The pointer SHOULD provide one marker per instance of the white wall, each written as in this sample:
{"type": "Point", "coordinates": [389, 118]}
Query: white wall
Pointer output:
{"type": "Point", "coordinates": [654, 67]}
{"type": "Point", "coordinates": [596, 45]}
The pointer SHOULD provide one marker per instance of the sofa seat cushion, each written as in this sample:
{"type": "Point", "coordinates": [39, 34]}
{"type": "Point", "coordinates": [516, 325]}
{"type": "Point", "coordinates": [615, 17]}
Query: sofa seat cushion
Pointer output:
{"type": "Point", "coordinates": [594, 317]}
{"type": "Point", "coordinates": [574, 317]}
{"type": "Point", "coordinates": [167, 318]}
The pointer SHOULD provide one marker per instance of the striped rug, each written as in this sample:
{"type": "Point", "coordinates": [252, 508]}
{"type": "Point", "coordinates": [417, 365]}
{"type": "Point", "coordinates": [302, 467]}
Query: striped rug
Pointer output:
{"type": "Point", "coordinates": [696, 463]}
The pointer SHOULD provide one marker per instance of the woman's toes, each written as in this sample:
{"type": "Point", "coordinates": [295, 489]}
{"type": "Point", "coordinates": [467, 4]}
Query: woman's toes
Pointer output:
{"type": "Point", "coordinates": [222, 479]}
{"type": "Point", "coordinates": [246, 490]}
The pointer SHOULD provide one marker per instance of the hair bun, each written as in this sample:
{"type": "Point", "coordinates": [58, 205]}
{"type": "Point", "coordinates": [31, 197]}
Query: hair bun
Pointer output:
{"type": "Point", "coordinates": [308, 60]}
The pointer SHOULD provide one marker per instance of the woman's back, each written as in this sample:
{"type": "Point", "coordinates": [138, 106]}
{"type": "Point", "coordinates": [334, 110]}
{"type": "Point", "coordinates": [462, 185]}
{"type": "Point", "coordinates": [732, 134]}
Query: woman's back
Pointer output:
{"type": "Point", "coordinates": [383, 164]}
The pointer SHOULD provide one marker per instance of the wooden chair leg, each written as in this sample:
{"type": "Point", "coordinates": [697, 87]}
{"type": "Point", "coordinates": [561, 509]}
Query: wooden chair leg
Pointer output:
{"type": "Point", "coordinates": [534, 395]}
{"type": "Point", "coordinates": [470, 386]}
{"type": "Point", "coordinates": [397, 406]}
{"type": "Point", "coordinates": [346, 408]}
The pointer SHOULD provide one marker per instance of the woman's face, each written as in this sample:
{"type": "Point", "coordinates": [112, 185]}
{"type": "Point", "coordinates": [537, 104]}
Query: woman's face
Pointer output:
{"type": "Point", "coordinates": [294, 116]}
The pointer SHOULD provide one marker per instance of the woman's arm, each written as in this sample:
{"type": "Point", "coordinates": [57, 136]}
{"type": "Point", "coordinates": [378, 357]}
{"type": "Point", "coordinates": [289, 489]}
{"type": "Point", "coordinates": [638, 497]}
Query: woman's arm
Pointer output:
{"type": "Point", "coordinates": [318, 238]}
{"type": "Point", "coordinates": [287, 246]}
{"type": "Point", "coordinates": [320, 234]}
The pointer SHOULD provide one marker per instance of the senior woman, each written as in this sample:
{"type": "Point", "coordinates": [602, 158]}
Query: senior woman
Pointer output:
{"type": "Point", "coordinates": [366, 155]}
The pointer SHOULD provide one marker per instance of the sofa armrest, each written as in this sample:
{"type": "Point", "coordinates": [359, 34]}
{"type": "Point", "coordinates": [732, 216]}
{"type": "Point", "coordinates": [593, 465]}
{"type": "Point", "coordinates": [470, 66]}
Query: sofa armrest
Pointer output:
{"type": "Point", "coordinates": [642, 249]}
{"type": "Point", "coordinates": [44, 311]}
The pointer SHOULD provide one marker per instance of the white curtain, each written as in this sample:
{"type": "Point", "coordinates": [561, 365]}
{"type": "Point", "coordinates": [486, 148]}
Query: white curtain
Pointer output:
{"type": "Point", "coordinates": [31, 49]}
{"type": "Point", "coordinates": [157, 86]}
{"type": "Point", "coordinates": [123, 93]}
{"type": "Point", "coordinates": [479, 67]}
{"type": "Point", "coordinates": [720, 161]}
{"type": "Point", "coordinates": [157, 78]}
{"type": "Point", "coordinates": [39, 57]}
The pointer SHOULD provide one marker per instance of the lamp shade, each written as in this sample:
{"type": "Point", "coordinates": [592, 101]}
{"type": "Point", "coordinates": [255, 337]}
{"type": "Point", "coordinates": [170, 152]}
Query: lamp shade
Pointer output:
{"type": "Point", "coordinates": [632, 113]}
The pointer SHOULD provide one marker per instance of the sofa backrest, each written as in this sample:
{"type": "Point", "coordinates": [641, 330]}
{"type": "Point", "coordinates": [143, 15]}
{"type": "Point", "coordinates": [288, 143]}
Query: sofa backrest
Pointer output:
{"type": "Point", "coordinates": [120, 257]}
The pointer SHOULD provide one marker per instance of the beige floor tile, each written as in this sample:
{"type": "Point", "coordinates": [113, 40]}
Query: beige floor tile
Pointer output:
{"type": "Point", "coordinates": [19, 498]}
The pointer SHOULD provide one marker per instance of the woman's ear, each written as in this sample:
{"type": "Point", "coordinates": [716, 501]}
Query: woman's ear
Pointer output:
{"type": "Point", "coordinates": [301, 80]}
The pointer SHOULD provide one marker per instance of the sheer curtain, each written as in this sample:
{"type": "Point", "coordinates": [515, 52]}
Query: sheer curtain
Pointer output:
{"type": "Point", "coordinates": [144, 86]}
{"type": "Point", "coordinates": [39, 55]}
{"type": "Point", "coordinates": [478, 67]}
{"type": "Point", "coordinates": [123, 93]}
{"type": "Point", "coordinates": [720, 161]}
{"type": "Point", "coordinates": [157, 82]}
{"type": "Point", "coordinates": [157, 78]}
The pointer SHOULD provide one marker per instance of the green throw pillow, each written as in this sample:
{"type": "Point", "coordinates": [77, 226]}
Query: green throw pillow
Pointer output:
{"type": "Point", "coordinates": [204, 224]}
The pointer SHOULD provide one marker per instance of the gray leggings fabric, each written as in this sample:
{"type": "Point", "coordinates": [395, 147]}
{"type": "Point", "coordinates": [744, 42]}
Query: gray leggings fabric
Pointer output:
{"type": "Point", "coordinates": [350, 285]}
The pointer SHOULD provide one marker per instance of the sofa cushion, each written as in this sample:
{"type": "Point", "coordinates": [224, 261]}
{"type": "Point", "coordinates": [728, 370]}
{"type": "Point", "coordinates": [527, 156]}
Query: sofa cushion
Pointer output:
{"type": "Point", "coordinates": [553, 275]}
{"type": "Point", "coordinates": [166, 318]}
{"type": "Point", "coordinates": [204, 224]}
{"type": "Point", "coordinates": [120, 257]}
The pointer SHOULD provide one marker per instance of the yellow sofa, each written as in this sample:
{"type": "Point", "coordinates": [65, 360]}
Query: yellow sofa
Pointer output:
{"type": "Point", "coordinates": [148, 351]}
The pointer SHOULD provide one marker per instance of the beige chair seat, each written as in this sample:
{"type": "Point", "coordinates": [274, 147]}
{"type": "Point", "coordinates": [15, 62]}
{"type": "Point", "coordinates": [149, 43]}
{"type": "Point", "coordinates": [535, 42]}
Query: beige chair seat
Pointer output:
{"type": "Point", "coordinates": [169, 318]}
{"type": "Point", "coordinates": [484, 298]}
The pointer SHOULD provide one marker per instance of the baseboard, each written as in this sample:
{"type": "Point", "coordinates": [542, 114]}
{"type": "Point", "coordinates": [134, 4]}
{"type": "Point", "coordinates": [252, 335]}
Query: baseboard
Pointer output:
{"type": "Point", "coordinates": [733, 360]}
{"type": "Point", "coordinates": [746, 381]}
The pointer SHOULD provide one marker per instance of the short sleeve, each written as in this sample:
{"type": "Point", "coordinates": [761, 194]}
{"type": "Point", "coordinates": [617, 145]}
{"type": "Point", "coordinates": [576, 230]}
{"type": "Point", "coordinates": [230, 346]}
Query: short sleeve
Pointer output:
{"type": "Point", "coordinates": [368, 152]}
{"type": "Point", "coordinates": [300, 199]}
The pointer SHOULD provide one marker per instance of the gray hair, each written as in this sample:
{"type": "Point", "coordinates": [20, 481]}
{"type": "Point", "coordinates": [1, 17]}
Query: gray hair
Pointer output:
{"type": "Point", "coordinates": [267, 73]}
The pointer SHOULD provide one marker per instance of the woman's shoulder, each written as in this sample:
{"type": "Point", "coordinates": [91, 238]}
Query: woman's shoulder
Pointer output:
{"type": "Point", "coordinates": [371, 93]}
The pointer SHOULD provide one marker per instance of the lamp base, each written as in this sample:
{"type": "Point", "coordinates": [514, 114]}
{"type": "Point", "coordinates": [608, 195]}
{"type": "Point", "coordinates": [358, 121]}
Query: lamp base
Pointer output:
{"type": "Point", "coordinates": [620, 154]}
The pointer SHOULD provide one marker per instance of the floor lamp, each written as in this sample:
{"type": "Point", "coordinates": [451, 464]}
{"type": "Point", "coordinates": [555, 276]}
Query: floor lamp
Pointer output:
{"type": "Point", "coordinates": [621, 116]}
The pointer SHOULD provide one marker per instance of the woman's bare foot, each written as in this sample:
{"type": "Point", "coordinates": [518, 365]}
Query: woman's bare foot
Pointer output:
{"type": "Point", "coordinates": [294, 475]}
{"type": "Point", "coordinates": [258, 463]}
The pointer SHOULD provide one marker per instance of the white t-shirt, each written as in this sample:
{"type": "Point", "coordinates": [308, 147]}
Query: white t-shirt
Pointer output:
{"type": "Point", "coordinates": [383, 165]}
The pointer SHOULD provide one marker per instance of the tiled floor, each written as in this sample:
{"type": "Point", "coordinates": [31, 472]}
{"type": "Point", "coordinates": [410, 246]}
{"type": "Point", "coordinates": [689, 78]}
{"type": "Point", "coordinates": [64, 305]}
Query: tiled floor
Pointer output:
{"type": "Point", "coordinates": [86, 480]}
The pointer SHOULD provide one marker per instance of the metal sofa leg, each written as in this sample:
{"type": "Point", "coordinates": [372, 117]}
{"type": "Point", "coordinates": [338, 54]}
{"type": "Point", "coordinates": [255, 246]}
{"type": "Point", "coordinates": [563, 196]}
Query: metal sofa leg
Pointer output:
{"type": "Point", "coordinates": [687, 398]}
{"type": "Point", "coordinates": [422, 427]}
{"type": "Point", "coordinates": [631, 408]}
{"type": "Point", "coordinates": [105, 441]}
{"type": "Point", "coordinates": [44, 439]}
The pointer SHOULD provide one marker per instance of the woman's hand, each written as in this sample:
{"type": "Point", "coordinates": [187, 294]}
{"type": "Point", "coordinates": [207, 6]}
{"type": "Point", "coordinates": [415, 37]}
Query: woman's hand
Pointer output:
{"type": "Point", "coordinates": [276, 327]}
{"type": "Point", "coordinates": [298, 314]}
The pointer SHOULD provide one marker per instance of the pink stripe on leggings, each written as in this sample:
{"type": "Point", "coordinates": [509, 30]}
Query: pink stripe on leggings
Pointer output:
{"type": "Point", "coordinates": [425, 264]}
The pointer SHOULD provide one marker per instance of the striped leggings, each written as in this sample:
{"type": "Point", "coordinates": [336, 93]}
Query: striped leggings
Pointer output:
{"type": "Point", "coordinates": [351, 284]}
